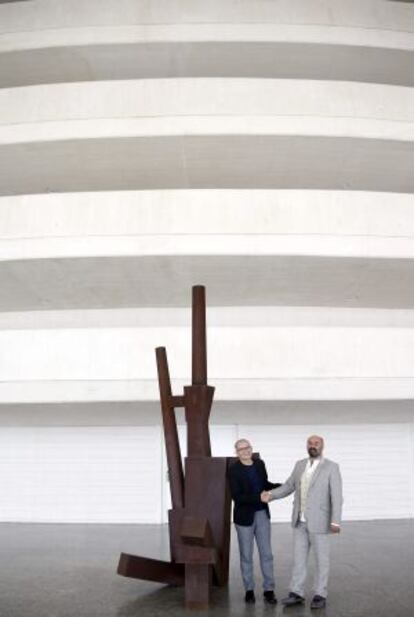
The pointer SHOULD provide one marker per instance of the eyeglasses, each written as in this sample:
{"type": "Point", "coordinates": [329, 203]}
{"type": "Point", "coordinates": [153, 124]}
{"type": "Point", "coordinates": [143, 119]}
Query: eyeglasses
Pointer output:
{"type": "Point", "coordinates": [244, 448]}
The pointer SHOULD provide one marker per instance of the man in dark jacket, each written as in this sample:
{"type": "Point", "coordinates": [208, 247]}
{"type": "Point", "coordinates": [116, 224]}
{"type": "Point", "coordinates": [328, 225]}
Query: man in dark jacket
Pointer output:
{"type": "Point", "coordinates": [247, 479]}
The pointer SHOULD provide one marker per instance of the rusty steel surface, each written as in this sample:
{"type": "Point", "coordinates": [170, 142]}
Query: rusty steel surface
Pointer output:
{"type": "Point", "coordinates": [198, 401]}
{"type": "Point", "coordinates": [151, 569]}
{"type": "Point", "coordinates": [199, 336]}
{"type": "Point", "coordinates": [172, 444]}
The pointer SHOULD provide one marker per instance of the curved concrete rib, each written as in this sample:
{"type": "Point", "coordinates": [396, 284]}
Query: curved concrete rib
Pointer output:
{"type": "Point", "coordinates": [23, 396]}
{"type": "Point", "coordinates": [269, 59]}
{"type": "Point", "coordinates": [77, 13]}
{"type": "Point", "coordinates": [199, 97]}
{"type": "Point", "coordinates": [52, 406]}
{"type": "Point", "coordinates": [122, 354]}
{"type": "Point", "coordinates": [311, 363]}
{"type": "Point", "coordinates": [170, 212]}
{"type": "Point", "coordinates": [60, 41]}
{"type": "Point", "coordinates": [218, 316]}
{"type": "Point", "coordinates": [209, 245]}
{"type": "Point", "coordinates": [163, 281]}
{"type": "Point", "coordinates": [211, 161]}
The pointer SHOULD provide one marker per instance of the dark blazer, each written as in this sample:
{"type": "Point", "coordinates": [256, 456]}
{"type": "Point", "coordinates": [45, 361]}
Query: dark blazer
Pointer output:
{"type": "Point", "coordinates": [245, 501]}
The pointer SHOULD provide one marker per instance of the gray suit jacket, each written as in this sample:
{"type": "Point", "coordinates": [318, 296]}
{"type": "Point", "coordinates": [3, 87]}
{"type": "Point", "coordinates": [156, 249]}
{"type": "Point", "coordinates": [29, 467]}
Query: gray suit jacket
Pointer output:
{"type": "Point", "coordinates": [324, 499]}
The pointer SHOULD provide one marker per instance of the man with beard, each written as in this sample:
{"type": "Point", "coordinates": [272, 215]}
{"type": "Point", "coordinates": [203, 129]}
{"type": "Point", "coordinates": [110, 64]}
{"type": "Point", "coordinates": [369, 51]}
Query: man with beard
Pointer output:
{"type": "Point", "coordinates": [317, 506]}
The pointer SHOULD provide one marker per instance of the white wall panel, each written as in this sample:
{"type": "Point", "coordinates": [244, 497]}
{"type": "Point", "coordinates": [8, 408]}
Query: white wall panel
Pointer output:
{"type": "Point", "coordinates": [87, 474]}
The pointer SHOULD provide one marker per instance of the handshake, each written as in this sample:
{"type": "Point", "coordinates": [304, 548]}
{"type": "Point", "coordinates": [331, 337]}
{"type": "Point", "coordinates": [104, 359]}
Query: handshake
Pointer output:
{"type": "Point", "coordinates": [265, 496]}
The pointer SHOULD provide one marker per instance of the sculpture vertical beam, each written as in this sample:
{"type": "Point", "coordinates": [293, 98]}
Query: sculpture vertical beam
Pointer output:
{"type": "Point", "coordinates": [199, 338]}
{"type": "Point", "coordinates": [199, 396]}
{"type": "Point", "coordinates": [172, 444]}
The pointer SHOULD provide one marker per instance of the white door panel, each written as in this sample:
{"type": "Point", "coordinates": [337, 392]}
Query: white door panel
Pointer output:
{"type": "Point", "coordinates": [118, 474]}
{"type": "Point", "coordinates": [80, 474]}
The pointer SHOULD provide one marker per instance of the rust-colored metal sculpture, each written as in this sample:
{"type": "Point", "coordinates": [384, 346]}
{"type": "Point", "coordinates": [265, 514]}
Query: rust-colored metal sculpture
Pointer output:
{"type": "Point", "coordinates": [199, 521]}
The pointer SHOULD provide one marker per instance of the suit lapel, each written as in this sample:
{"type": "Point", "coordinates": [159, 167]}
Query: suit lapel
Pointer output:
{"type": "Point", "coordinates": [316, 473]}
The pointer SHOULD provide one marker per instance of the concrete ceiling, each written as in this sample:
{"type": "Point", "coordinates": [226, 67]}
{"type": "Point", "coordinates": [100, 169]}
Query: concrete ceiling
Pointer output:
{"type": "Point", "coordinates": [207, 59]}
{"type": "Point", "coordinates": [210, 161]}
{"type": "Point", "coordinates": [163, 281]}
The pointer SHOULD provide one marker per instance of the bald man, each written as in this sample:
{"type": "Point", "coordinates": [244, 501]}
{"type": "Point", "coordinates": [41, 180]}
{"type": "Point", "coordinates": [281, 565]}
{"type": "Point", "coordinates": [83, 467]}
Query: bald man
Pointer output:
{"type": "Point", "coordinates": [317, 506]}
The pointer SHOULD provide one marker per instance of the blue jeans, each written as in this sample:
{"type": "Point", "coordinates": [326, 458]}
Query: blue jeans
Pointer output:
{"type": "Point", "coordinates": [261, 531]}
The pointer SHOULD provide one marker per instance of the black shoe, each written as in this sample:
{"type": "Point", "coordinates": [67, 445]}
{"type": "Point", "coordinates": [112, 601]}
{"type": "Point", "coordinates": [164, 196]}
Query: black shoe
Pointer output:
{"type": "Point", "coordinates": [318, 602]}
{"type": "Point", "coordinates": [293, 599]}
{"type": "Point", "coordinates": [249, 598]}
{"type": "Point", "coordinates": [269, 597]}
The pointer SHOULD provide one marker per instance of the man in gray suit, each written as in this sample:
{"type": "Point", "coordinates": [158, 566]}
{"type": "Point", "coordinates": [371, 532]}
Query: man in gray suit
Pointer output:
{"type": "Point", "coordinates": [317, 507]}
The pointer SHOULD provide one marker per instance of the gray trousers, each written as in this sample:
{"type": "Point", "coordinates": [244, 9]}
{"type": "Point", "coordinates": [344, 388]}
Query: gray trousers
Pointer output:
{"type": "Point", "coordinates": [261, 531]}
{"type": "Point", "coordinates": [303, 541]}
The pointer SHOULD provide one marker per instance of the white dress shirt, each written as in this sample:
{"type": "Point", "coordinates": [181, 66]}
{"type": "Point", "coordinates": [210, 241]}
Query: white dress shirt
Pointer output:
{"type": "Point", "coordinates": [305, 481]}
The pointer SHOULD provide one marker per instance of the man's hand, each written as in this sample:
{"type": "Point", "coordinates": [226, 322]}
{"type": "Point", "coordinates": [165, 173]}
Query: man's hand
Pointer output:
{"type": "Point", "coordinates": [335, 528]}
{"type": "Point", "coordinates": [265, 496]}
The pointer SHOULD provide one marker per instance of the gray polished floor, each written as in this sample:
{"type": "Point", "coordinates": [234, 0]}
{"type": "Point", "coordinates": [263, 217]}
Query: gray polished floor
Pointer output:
{"type": "Point", "coordinates": [69, 571]}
